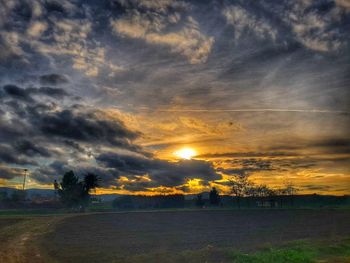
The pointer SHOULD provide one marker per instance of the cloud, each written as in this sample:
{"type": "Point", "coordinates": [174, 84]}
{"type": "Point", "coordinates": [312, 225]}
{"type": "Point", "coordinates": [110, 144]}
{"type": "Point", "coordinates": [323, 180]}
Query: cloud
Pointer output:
{"type": "Point", "coordinates": [36, 29]}
{"type": "Point", "coordinates": [53, 79]}
{"type": "Point", "coordinates": [343, 4]}
{"type": "Point", "coordinates": [70, 124]}
{"type": "Point", "coordinates": [31, 130]}
{"type": "Point", "coordinates": [255, 86]}
{"type": "Point", "coordinates": [49, 91]}
{"type": "Point", "coordinates": [314, 24]}
{"type": "Point", "coordinates": [315, 27]}
{"type": "Point", "coordinates": [10, 47]}
{"type": "Point", "coordinates": [8, 156]}
{"type": "Point", "coordinates": [244, 22]}
{"type": "Point", "coordinates": [30, 149]}
{"type": "Point", "coordinates": [15, 92]}
{"type": "Point", "coordinates": [9, 172]}
{"type": "Point", "coordinates": [50, 30]}
{"type": "Point", "coordinates": [245, 154]}
{"type": "Point", "coordinates": [158, 27]}
{"type": "Point", "coordinates": [158, 172]}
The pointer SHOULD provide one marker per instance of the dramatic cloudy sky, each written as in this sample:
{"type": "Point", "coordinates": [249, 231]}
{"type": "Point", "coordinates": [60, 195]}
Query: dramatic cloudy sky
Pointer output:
{"type": "Point", "coordinates": [115, 87]}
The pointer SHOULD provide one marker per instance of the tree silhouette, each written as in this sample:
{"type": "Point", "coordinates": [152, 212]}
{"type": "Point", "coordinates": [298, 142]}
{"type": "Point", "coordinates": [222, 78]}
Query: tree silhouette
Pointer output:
{"type": "Point", "coordinates": [290, 190]}
{"type": "Point", "coordinates": [199, 201]}
{"type": "Point", "coordinates": [91, 181]}
{"type": "Point", "coordinates": [75, 193]}
{"type": "Point", "coordinates": [214, 197]}
{"type": "Point", "coordinates": [240, 187]}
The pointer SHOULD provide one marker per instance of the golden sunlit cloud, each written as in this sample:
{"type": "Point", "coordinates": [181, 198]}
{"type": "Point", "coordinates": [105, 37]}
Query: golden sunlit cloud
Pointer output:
{"type": "Point", "coordinates": [185, 153]}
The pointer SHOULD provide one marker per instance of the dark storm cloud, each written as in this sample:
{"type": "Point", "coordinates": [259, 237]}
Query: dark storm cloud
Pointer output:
{"type": "Point", "coordinates": [10, 131]}
{"type": "Point", "coordinates": [84, 127]}
{"type": "Point", "coordinates": [47, 174]}
{"type": "Point", "coordinates": [8, 156]}
{"type": "Point", "coordinates": [28, 148]}
{"type": "Point", "coordinates": [48, 130]}
{"type": "Point", "coordinates": [48, 91]}
{"type": "Point", "coordinates": [73, 123]}
{"type": "Point", "coordinates": [15, 92]}
{"type": "Point", "coordinates": [247, 166]}
{"type": "Point", "coordinates": [53, 79]}
{"type": "Point", "coordinates": [160, 172]}
{"type": "Point", "coordinates": [55, 170]}
{"type": "Point", "coordinates": [9, 172]}
{"type": "Point", "coordinates": [74, 145]}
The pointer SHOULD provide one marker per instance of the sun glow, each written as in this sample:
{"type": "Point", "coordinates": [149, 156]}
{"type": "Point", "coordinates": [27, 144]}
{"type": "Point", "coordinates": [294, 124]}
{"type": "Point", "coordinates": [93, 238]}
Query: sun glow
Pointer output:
{"type": "Point", "coordinates": [186, 153]}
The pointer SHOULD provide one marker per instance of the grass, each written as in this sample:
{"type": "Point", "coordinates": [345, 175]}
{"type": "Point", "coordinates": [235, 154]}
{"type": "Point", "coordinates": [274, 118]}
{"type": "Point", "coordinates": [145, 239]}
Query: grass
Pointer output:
{"type": "Point", "coordinates": [31, 212]}
{"type": "Point", "coordinates": [299, 252]}
{"type": "Point", "coordinates": [296, 252]}
{"type": "Point", "coordinates": [198, 236]}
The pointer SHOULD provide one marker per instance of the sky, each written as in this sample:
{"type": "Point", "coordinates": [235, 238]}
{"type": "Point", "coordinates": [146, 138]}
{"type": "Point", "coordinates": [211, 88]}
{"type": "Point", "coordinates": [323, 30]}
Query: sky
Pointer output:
{"type": "Point", "coordinates": [120, 87]}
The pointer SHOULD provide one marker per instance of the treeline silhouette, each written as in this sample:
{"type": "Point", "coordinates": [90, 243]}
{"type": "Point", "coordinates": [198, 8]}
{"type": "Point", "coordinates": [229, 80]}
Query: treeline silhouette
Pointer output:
{"type": "Point", "coordinates": [77, 194]}
{"type": "Point", "coordinates": [144, 202]}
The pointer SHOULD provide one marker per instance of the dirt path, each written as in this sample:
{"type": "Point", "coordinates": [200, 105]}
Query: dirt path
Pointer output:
{"type": "Point", "coordinates": [19, 240]}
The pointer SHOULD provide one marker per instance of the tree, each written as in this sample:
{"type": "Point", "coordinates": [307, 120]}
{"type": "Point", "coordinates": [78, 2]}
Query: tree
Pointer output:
{"type": "Point", "coordinates": [91, 181]}
{"type": "Point", "coordinates": [199, 201]}
{"type": "Point", "coordinates": [290, 190]}
{"type": "Point", "coordinates": [75, 193]}
{"type": "Point", "coordinates": [214, 197]}
{"type": "Point", "coordinates": [239, 187]}
{"type": "Point", "coordinates": [252, 192]}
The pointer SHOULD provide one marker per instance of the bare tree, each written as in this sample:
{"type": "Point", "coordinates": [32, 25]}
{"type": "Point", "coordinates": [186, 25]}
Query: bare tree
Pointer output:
{"type": "Point", "coordinates": [290, 190]}
{"type": "Point", "coordinates": [263, 192]}
{"type": "Point", "coordinates": [239, 187]}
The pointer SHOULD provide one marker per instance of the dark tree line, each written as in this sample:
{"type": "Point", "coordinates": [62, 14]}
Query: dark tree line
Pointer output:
{"type": "Point", "coordinates": [242, 187]}
{"type": "Point", "coordinates": [15, 197]}
{"type": "Point", "coordinates": [143, 201]}
{"type": "Point", "coordinates": [214, 198]}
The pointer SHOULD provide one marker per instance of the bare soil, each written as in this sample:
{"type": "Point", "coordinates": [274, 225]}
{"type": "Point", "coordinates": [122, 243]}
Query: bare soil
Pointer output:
{"type": "Point", "coordinates": [106, 237]}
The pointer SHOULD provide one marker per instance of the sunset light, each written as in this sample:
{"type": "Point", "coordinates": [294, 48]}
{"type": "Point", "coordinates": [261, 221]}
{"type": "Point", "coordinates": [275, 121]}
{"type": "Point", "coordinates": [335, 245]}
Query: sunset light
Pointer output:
{"type": "Point", "coordinates": [156, 127]}
{"type": "Point", "coordinates": [186, 153]}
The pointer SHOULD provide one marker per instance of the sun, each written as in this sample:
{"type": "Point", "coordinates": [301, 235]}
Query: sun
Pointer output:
{"type": "Point", "coordinates": [186, 153]}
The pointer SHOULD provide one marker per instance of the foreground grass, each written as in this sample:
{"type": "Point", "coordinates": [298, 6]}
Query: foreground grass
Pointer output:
{"type": "Point", "coordinates": [301, 252]}
{"type": "Point", "coordinates": [297, 252]}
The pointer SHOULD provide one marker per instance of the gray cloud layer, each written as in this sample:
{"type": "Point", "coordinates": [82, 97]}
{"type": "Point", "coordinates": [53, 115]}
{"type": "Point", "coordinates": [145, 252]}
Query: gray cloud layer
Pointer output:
{"type": "Point", "coordinates": [277, 71]}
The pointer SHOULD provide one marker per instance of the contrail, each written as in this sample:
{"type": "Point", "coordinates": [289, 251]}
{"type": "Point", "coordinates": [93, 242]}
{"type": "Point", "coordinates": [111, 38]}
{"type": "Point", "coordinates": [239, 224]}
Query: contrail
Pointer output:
{"type": "Point", "coordinates": [240, 110]}
{"type": "Point", "coordinates": [255, 110]}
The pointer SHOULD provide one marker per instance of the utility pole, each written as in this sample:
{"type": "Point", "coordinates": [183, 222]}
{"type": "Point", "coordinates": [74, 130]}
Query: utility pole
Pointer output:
{"type": "Point", "coordinates": [24, 179]}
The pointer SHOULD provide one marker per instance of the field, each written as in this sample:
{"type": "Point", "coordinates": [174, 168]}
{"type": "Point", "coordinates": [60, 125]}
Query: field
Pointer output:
{"type": "Point", "coordinates": [180, 236]}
